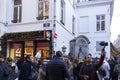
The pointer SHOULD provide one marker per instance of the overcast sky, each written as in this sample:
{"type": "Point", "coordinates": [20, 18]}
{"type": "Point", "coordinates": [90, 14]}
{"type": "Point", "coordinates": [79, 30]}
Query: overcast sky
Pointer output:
{"type": "Point", "coordinates": [115, 25]}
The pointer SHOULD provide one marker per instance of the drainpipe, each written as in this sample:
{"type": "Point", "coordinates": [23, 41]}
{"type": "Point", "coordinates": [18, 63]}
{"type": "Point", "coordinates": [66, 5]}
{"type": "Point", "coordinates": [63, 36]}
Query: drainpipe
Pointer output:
{"type": "Point", "coordinates": [53, 29]}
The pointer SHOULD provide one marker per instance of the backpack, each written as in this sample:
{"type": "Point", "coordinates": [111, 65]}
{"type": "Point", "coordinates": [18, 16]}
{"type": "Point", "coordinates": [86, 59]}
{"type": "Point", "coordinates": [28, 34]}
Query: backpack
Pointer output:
{"type": "Point", "coordinates": [116, 68]}
{"type": "Point", "coordinates": [102, 71]}
{"type": "Point", "coordinates": [33, 74]}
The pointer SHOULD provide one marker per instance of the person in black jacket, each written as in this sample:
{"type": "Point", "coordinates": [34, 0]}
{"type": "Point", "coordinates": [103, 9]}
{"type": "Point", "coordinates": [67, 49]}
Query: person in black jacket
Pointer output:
{"type": "Point", "coordinates": [56, 69]}
{"type": "Point", "coordinates": [25, 72]}
{"type": "Point", "coordinates": [4, 71]}
{"type": "Point", "coordinates": [88, 70]}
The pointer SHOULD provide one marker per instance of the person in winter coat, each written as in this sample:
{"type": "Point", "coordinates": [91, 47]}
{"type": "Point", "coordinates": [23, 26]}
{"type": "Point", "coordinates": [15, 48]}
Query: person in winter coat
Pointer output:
{"type": "Point", "coordinates": [42, 74]}
{"type": "Point", "coordinates": [88, 69]}
{"type": "Point", "coordinates": [117, 69]}
{"type": "Point", "coordinates": [27, 67]}
{"type": "Point", "coordinates": [106, 66]}
{"type": "Point", "coordinates": [4, 72]}
{"type": "Point", "coordinates": [57, 69]}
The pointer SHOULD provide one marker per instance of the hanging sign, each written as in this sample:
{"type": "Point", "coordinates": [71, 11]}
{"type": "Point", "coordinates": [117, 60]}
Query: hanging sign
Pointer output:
{"type": "Point", "coordinates": [55, 35]}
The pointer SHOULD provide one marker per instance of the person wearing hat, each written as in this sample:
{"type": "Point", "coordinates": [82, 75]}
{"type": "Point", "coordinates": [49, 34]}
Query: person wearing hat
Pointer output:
{"type": "Point", "coordinates": [56, 69]}
{"type": "Point", "coordinates": [4, 72]}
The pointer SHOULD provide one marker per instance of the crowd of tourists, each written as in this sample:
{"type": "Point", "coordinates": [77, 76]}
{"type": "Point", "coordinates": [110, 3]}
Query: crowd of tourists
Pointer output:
{"type": "Point", "coordinates": [60, 68]}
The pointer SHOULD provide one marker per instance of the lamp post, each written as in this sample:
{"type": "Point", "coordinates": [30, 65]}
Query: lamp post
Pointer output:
{"type": "Point", "coordinates": [64, 50]}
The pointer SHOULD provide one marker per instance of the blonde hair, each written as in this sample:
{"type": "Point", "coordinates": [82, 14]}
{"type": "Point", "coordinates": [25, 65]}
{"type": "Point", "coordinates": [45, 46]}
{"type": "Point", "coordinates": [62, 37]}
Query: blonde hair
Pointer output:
{"type": "Point", "coordinates": [68, 62]}
{"type": "Point", "coordinates": [80, 59]}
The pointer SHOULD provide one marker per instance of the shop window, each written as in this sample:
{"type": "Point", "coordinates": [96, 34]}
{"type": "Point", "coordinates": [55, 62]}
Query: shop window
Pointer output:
{"type": "Point", "coordinates": [43, 49]}
{"type": "Point", "coordinates": [29, 48]}
{"type": "Point", "coordinates": [15, 50]}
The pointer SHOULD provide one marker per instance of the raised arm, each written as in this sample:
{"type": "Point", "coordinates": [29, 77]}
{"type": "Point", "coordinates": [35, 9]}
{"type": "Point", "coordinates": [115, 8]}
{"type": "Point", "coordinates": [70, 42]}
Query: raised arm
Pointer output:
{"type": "Point", "coordinates": [101, 59]}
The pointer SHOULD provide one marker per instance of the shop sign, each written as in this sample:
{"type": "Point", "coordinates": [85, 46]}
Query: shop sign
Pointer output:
{"type": "Point", "coordinates": [48, 35]}
{"type": "Point", "coordinates": [55, 35]}
{"type": "Point", "coordinates": [29, 43]}
{"type": "Point", "coordinates": [46, 25]}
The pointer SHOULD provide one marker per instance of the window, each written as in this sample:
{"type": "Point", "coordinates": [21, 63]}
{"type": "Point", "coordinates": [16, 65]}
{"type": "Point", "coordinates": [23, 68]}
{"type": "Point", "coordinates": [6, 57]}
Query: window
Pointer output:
{"type": "Point", "coordinates": [43, 49]}
{"type": "Point", "coordinates": [73, 25]}
{"type": "Point", "coordinates": [98, 46]}
{"type": "Point", "coordinates": [82, 1]}
{"type": "Point", "coordinates": [15, 50]}
{"type": "Point", "coordinates": [17, 11]}
{"type": "Point", "coordinates": [100, 22]}
{"type": "Point", "coordinates": [43, 9]}
{"type": "Point", "coordinates": [84, 24]}
{"type": "Point", "coordinates": [29, 48]}
{"type": "Point", "coordinates": [62, 12]}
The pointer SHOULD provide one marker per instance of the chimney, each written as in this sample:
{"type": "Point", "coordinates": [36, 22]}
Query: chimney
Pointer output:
{"type": "Point", "coordinates": [78, 1]}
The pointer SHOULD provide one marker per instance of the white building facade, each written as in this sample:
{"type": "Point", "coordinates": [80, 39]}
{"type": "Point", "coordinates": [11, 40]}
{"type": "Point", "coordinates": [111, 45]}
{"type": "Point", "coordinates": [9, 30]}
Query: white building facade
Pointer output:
{"type": "Point", "coordinates": [92, 26]}
{"type": "Point", "coordinates": [33, 26]}
{"type": "Point", "coordinates": [3, 22]}
{"type": "Point", "coordinates": [45, 26]}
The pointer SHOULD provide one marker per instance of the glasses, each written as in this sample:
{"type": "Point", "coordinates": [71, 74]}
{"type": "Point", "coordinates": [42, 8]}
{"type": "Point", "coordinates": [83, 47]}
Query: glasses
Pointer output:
{"type": "Point", "coordinates": [88, 57]}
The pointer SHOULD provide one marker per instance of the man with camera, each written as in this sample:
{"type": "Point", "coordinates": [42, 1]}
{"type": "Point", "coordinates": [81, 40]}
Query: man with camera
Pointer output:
{"type": "Point", "coordinates": [88, 70]}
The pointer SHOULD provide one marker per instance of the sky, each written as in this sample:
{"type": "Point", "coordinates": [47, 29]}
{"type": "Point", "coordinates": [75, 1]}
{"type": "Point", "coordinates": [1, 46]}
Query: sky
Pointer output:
{"type": "Point", "coordinates": [115, 25]}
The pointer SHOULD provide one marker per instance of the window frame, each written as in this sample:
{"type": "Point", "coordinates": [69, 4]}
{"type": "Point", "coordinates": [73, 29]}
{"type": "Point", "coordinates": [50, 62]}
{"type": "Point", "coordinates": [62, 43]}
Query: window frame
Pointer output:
{"type": "Point", "coordinates": [17, 17]}
{"type": "Point", "coordinates": [99, 26]}
{"type": "Point", "coordinates": [62, 6]}
{"type": "Point", "coordinates": [98, 47]}
{"type": "Point", "coordinates": [43, 8]}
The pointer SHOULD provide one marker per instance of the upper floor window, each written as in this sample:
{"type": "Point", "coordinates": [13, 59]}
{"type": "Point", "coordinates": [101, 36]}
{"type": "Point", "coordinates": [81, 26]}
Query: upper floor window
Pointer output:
{"type": "Point", "coordinates": [84, 0]}
{"type": "Point", "coordinates": [43, 9]}
{"type": "Point", "coordinates": [81, 1]}
{"type": "Point", "coordinates": [62, 12]}
{"type": "Point", "coordinates": [100, 23]}
{"type": "Point", "coordinates": [17, 11]}
{"type": "Point", "coordinates": [83, 24]}
{"type": "Point", "coordinates": [98, 46]}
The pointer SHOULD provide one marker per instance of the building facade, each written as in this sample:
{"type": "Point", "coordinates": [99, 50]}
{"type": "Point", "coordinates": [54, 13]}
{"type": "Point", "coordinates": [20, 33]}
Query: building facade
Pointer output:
{"type": "Point", "coordinates": [2, 17]}
{"type": "Point", "coordinates": [92, 27]}
{"type": "Point", "coordinates": [116, 43]}
{"type": "Point", "coordinates": [33, 26]}
{"type": "Point", "coordinates": [45, 26]}
{"type": "Point", "coordinates": [3, 22]}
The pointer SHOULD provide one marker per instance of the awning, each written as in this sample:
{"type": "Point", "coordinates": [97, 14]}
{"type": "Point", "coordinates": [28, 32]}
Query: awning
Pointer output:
{"type": "Point", "coordinates": [113, 50]}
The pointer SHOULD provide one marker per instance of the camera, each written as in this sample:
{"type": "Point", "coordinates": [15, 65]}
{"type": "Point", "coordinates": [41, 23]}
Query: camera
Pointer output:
{"type": "Point", "coordinates": [103, 43]}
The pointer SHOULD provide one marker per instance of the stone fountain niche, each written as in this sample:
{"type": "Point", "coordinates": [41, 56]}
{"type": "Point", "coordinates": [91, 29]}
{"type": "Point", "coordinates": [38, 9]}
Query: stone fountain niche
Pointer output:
{"type": "Point", "coordinates": [79, 47]}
